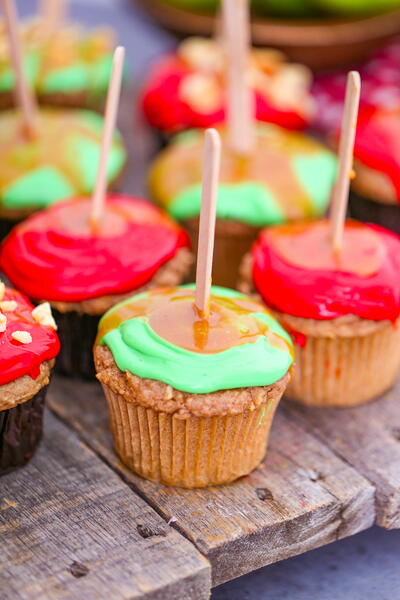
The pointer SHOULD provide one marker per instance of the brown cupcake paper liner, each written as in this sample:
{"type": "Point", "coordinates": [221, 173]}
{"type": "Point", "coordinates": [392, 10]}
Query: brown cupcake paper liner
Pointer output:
{"type": "Point", "coordinates": [77, 333]}
{"type": "Point", "coordinates": [386, 215]}
{"type": "Point", "coordinates": [20, 432]}
{"type": "Point", "coordinates": [192, 452]}
{"type": "Point", "coordinates": [232, 241]}
{"type": "Point", "coordinates": [345, 371]}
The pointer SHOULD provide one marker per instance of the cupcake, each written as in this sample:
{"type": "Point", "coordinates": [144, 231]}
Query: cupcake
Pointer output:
{"type": "Point", "coordinates": [60, 162]}
{"type": "Point", "coordinates": [186, 90]}
{"type": "Point", "coordinates": [341, 309]}
{"type": "Point", "coordinates": [376, 187]}
{"type": "Point", "coordinates": [191, 400]}
{"type": "Point", "coordinates": [82, 270]}
{"type": "Point", "coordinates": [70, 68]}
{"type": "Point", "coordinates": [287, 177]}
{"type": "Point", "coordinates": [28, 347]}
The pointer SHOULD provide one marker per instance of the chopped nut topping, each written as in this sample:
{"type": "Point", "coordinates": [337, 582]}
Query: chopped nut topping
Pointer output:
{"type": "Point", "coordinates": [42, 315]}
{"type": "Point", "coordinates": [201, 92]}
{"type": "Point", "coordinates": [2, 290]}
{"type": "Point", "coordinates": [8, 305]}
{"type": "Point", "coordinates": [24, 337]}
{"type": "Point", "coordinates": [3, 322]}
{"type": "Point", "coordinates": [202, 54]}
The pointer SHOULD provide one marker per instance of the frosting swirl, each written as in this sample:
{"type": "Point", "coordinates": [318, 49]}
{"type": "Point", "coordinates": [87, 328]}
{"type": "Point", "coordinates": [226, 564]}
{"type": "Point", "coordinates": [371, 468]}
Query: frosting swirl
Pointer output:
{"type": "Point", "coordinates": [287, 177]}
{"type": "Point", "coordinates": [57, 255]}
{"type": "Point", "coordinates": [23, 358]}
{"type": "Point", "coordinates": [159, 335]}
{"type": "Point", "coordinates": [296, 272]}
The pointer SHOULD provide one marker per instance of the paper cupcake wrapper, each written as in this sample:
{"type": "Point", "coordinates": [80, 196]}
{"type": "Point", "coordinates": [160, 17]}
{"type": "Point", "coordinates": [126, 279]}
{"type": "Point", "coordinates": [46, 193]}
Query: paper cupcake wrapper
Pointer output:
{"type": "Point", "coordinates": [229, 249]}
{"type": "Point", "coordinates": [192, 452]}
{"type": "Point", "coordinates": [386, 215]}
{"type": "Point", "coordinates": [20, 432]}
{"type": "Point", "coordinates": [345, 371]}
{"type": "Point", "coordinates": [77, 333]}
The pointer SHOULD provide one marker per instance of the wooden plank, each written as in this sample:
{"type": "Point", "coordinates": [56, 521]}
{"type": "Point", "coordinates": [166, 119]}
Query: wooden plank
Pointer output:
{"type": "Point", "coordinates": [302, 497]}
{"type": "Point", "coordinates": [367, 437]}
{"type": "Point", "coordinates": [72, 529]}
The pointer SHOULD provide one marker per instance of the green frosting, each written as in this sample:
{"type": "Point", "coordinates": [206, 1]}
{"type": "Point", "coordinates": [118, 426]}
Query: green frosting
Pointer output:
{"type": "Point", "coordinates": [138, 349]}
{"type": "Point", "coordinates": [61, 162]}
{"type": "Point", "coordinates": [45, 185]}
{"type": "Point", "coordinates": [247, 202]}
{"type": "Point", "coordinates": [301, 174]}
{"type": "Point", "coordinates": [316, 174]}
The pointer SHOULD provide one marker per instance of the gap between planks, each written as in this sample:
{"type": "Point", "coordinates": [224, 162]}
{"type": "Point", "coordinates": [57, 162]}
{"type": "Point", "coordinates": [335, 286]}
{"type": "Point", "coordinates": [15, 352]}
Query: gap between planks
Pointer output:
{"type": "Point", "coordinates": [303, 496]}
{"type": "Point", "coordinates": [72, 529]}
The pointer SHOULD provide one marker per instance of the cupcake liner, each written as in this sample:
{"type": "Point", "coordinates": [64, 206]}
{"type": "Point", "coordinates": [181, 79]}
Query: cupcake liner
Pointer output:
{"type": "Point", "coordinates": [20, 432]}
{"type": "Point", "coordinates": [191, 452]}
{"type": "Point", "coordinates": [369, 211]}
{"type": "Point", "coordinates": [5, 227]}
{"type": "Point", "coordinates": [345, 371]}
{"type": "Point", "coordinates": [232, 241]}
{"type": "Point", "coordinates": [77, 333]}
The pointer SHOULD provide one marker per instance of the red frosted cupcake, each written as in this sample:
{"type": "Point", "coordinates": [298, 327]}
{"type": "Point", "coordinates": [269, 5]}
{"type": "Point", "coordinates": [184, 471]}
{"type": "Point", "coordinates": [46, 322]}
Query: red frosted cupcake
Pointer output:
{"type": "Point", "coordinates": [28, 347]}
{"type": "Point", "coordinates": [186, 90]}
{"type": "Point", "coordinates": [83, 270]}
{"type": "Point", "coordinates": [342, 309]}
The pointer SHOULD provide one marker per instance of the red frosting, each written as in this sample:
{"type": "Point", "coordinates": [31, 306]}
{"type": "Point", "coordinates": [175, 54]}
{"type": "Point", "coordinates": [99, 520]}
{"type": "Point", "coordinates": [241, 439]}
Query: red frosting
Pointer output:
{"type": "Point", "coordinates": [57, 255]}
{"type": "Point", "coordinates": [18, 359]}
{"type": "Point", "coordinates": [296, 272]}
{"type": "Point", "coordinates": [166, 111]}
{"type": "Point", "coordinates": [378, 142]}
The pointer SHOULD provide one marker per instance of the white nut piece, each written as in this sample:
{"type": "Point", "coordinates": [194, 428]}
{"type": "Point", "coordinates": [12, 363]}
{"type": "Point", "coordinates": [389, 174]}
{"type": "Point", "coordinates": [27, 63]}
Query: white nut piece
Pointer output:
{"type": "Point", "coordinates": [3, 322]}
{"type": "Point", "coordinates": [202, 54]}
{"type": "Point", "coordinates": [8, 305]}
{"type": "Point", "coordinates": [42, 315]}
{"type": "Point", "coordinates": [24, 337]}
{"type": "Point", "coordinates": [201, 92]}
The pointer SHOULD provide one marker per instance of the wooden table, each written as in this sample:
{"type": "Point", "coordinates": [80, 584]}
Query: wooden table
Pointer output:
{"type": "Point", "coordinates": [76, 524]}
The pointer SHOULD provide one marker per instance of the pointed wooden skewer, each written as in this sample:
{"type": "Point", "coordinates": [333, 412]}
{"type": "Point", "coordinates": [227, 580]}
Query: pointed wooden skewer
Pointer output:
{"type": "Point", "coordinates": [211, 167]}
{"type": "Point", "coordinates": [53, 14]}
{"type": "Point", "coordinates": [24, 96]}
{"type": "Point", "coordinates": [110, 117]}
{"type": "Point", "coordinates": [345, 154]}
{"type": "Point", "coordinates": [240, 99]}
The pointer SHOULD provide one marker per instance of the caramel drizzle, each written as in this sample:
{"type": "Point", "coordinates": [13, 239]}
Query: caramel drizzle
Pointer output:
{"type": "Point", "coordinates": [173, 316]}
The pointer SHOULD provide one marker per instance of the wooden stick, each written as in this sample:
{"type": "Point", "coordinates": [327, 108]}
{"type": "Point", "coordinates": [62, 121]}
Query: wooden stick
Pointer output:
{"type": "Point", "coordinates": [211, 166]}
{"type": "Point", "coordinates": [23, 94]}
{"type": "Point", "coordinates": [240, 99]}
{"type": "Point", "coordinates": [345, 167]}
{"type": "Point", "coordinates": [110, 117]}
{"type": "Point", "coordinates": [53, 14]}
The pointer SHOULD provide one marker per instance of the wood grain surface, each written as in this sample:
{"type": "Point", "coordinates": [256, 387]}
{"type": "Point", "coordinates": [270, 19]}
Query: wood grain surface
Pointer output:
{"type": "Point", "coordinates": [368, 438]}
{"type": "Point", "coordinates": [72, 529]}
{"type": "Point", "coordinates": [302, 497]}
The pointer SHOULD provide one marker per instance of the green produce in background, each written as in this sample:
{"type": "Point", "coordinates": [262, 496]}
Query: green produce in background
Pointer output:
{"type": "Point", "coordinates": [299, 8]}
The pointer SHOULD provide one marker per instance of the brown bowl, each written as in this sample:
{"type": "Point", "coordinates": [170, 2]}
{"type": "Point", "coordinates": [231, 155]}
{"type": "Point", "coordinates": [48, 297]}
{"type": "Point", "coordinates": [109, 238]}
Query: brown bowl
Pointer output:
{"type": "Point", "coordinates": [320, 44]}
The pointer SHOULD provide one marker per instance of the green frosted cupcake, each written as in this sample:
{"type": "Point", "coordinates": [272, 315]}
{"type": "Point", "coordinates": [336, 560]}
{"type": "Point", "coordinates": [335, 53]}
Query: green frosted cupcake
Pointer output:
{"type": "Point", "coordinates": [61, 161]}
{"type": "Point", "coordinates": [288, 177]}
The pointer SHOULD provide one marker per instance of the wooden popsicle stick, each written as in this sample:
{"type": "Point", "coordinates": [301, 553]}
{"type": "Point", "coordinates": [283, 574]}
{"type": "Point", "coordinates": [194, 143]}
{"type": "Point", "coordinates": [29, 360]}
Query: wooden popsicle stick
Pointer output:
{"type": "Point", "coordinates": [53, 14]}
{"type": "Point", "coordinates": [346, 147]}
{"type": "Point", "coordinates": [211, 167]}
{"type": "Point", "coordinates": [110, 117]}
{"type": "Point", "coordinates": [240, 99]}
{"type": "Point", "coordinates": [24, 96]}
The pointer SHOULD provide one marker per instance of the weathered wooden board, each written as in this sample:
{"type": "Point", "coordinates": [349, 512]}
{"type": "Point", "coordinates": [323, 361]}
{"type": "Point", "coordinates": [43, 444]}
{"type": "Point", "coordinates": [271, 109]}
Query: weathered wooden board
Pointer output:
{"type": "Point", "coordinates": [301, 498]}
{"type": "Point", "coordinates": [70, 528]}
{"type": "Point", "coordinates": [367, 437]}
